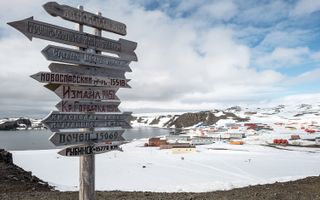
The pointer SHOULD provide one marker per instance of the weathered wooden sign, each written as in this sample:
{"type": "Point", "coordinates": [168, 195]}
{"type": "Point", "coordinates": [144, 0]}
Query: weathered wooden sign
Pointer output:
{"type": "Point", "coordinates": [70, 138]}
{"type": "Point", "coordinates": [86, 70]}
{"type": "Point", "coordinates": [56, 121]}
{"type": "Point", "coordinates": [77, 79]}
{"type": "Point", "coordinates": [86, 18]}
{"type": "Point", "coordinates": [32, 28]}
{"type": "Point", "coordinates": [86, 93]}
{"type": "Point", "coordinates": [72, 56]}
{"type": "Point", "coordinates": [87, 106]}
{"type": "Point", "coordinates": [88, 149]}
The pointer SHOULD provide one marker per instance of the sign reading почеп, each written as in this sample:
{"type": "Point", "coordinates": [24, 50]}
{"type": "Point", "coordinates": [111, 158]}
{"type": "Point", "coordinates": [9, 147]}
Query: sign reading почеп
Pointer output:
{"type": "Point", "coordinates": [72, 56]}
{"type": "Point", "coordinates": [87, 106]}
{"type": "Point", "coordinates": [32, 28]}
{"type": "Point", "coordinates": [78, 79]}
{"type": "Point", "coordinates": [88, 149]}
{"type": "Point", "coordinates": [56, 121]}
{"type": "Point", "coordinates": [69, 138]}
{"type": "Point", "coordinates": [86, 18]}
{"type": "Point", "coordinates": [86, 93]}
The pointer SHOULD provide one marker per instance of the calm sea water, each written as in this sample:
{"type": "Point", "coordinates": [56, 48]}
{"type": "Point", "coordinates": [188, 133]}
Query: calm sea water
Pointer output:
{"type": "Point", "coordinates": [38, 139]}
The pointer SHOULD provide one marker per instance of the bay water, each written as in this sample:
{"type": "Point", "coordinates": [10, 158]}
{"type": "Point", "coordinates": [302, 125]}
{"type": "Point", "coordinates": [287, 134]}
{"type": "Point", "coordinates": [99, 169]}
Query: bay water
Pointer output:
{"type": "Point", "coordinates": [39, 139]}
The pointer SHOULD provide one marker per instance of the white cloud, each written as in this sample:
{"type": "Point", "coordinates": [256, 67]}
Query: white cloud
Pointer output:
{"type": "Point", "coordinates": [305, 7]}
{"type": "Point", "coordinates": [309, 76]}
{"type": "Point", "coordinates": [219, 10]}
{"type": "Point", "coordinates": [284, 39]}
{"type": "Point", "coordinates": [180, 66]}
{"type": "Point", "coordinates": [264, 13]}
{"type": "Point", "coordinates": [284, 57]}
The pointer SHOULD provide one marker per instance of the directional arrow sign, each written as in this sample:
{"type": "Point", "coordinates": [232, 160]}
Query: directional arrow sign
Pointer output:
{"type": "Point", "coordinates": [83, 17]}
{"type": "Point", "coordinates": [72, 56]}
{"type": "Point", "coordinates": [69, 138]}
{"type": "Point", "coordinates": [87, 106]}
{"type": "Point", "coordinates": [86, 93]}
{"type": "Point", "coordinates": [76, 79]}
{"type": "Point", "coordinates": [88, 149]}
{"type": "Point", "coordinates": [32, 28]}
{"type": "Point", "coordinates": [86, 70]}
{"type": "Point", "coordinates": [55, 120]}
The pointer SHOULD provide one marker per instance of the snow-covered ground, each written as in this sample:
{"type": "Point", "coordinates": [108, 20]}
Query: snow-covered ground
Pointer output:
{"type": "Point", "coordinates": [218, 166]}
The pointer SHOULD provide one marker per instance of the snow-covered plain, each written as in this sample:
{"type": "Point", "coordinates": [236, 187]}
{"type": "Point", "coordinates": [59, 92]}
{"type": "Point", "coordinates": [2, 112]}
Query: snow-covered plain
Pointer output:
{"type": "Point", "coordinates": [218, 166]}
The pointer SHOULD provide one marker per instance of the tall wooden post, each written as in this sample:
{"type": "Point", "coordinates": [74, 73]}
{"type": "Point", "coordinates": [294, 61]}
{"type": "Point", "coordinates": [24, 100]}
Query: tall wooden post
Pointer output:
{"type": "Point", "coordinates": [87, 178]}
{"type": "Point", "coordinates": [109, 71]}
{"type": "Point", "coordinates": [87, 165]}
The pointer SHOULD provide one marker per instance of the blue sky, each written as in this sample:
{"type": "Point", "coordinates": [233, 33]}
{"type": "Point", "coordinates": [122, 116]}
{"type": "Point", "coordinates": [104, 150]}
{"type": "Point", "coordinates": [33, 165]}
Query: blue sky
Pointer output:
{"type": "Point", "coordinates": [193, 55]}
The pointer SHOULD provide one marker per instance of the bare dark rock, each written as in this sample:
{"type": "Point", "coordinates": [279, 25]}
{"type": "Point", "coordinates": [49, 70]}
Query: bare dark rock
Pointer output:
{"type": "Point", "coordinates": [206, 118]}
{"type": "Point", "coordinates": [14, 124]}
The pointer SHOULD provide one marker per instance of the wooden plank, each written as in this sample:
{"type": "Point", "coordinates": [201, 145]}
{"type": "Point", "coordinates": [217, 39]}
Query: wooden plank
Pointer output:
{"type": "Point", "coordinates": [86, 70]}
{"type": "Point", "coordinates": [56, 121]}
{"type": "Point", "coordinates": [71, 138]}
{"type": "Point", "coordinates": [84, 17]}
{"type": "Point", "coordinates": [86, 93]}
{"type": "Point", "coordinates": [83, 150]}
{"type": "Point", "coordinates": [66, 55]}
{"type": "Point", "coordinates": [76, 79]}
{"type": "Point", "coordinates": [87, 106]}
{"type": "Point", "coordinates": [87, 177]}
{"type": "Point", "coordinates": [32, 28]}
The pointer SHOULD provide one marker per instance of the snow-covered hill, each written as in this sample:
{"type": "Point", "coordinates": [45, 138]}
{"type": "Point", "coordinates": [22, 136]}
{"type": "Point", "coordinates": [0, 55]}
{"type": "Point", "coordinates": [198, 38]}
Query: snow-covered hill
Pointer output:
{"type": "Point", "coordinates": [301, 113]}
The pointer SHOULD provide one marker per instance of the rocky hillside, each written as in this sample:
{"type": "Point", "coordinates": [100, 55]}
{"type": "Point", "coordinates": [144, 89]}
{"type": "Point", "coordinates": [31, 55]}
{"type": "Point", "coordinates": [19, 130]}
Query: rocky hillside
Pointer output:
{"type": "Point", "coordinates": [15, 124]}
{"type": "Point", "coordinates": [15, 179]}
{"type": "Point", "coordinates": [235, 114]}
{"type": "Point", "coordinates": [21, 123]}
{"type": "Point", "coordinates": [202, 118]}
{"type": "Point", "coordinates": [205, 118]}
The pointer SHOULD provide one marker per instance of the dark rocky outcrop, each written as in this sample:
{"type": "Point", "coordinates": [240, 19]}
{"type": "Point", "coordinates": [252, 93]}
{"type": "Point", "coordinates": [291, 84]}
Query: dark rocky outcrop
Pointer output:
{"type": "Point", "coordinates": [156, 120]}
{"type": "Point", "coordinates": [15, 179]}
{"type": "Point", "coordinates": [5, 157]}
{"type": "Point", "coordinates": [205, 118]}
{"type": "Point", "coordinates": [14, 124]}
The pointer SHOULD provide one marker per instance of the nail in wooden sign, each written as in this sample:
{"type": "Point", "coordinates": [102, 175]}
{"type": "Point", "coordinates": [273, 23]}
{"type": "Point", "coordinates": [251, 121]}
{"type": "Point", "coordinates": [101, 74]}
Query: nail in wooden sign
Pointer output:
{"type": "Point", "coordinates": [66, 55]}
{"type": "Point", "coordinates": [32, 28]}
{"type": "Point", "coordinates": [88, 149]}
{"type": "Point", "coordinates": [76, 79]}
{"type": "Point", "coordinates": [87, 106]}
{"type": "Point", "coordinates": [84, 17]}
{"type": "Point", "coordinates": [70, 138]}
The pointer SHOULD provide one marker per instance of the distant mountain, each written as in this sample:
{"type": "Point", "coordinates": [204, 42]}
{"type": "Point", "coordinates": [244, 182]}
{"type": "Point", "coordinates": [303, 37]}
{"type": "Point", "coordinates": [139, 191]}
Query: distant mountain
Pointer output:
{"type": "Point", "coordinates": [308, 112]}
{"type": "Point", "coordinates": [233, 114]}
{"type": "Point", "coordinates": [21, 123]}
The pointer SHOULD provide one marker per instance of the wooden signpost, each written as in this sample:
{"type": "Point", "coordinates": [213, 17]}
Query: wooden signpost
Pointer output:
{"type": "Point", "coordinates": [72, 56]}
{"type": "Point", "coordinates": [70, 138]}
{"type": "Point", "coordinates": [86, 18]}
{"type": "Point", "coordinates": [32, 28]}
{"type": "Point", "coordinates": [78, 79]}
{"type": "Point", "coordinates": [88, 112]}
{"type": "Point", "coordinates": [86, 70]}
{"type": "Point", "coordinates": [87, 106]}
{"type": "Point", "coordinates": [56, 121]}
{"type": "Point", "coordinates": [84, 150]}
{"type": "Point", "coordinates": [86, 93]}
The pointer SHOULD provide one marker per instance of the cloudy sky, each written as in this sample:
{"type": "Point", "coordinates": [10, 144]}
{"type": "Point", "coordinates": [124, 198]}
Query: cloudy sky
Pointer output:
{"type": "Point", "coordinates": [193, 54]}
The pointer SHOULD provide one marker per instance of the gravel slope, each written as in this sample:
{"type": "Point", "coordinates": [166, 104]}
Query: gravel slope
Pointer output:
{"type": "Point", "coordinates": [15, 183]}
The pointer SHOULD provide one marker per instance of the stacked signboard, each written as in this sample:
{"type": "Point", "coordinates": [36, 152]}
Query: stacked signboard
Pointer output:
{"type": "Point", "coordinates": [86, 80]}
